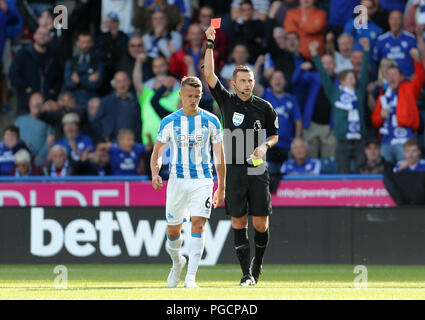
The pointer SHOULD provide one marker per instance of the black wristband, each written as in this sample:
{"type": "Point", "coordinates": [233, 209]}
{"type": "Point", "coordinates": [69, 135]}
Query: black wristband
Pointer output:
{"type": "Point", "coordinates": [211, 41]}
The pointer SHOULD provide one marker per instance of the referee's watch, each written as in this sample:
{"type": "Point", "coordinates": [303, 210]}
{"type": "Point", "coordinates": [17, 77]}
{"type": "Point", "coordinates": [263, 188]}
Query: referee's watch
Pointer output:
{"type": "Point", "coordinates": [268, 145]}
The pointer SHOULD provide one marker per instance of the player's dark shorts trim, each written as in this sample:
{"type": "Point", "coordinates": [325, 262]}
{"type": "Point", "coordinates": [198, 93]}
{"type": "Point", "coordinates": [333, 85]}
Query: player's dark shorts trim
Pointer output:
{"type": "Point", "coordinates": [247, 193]}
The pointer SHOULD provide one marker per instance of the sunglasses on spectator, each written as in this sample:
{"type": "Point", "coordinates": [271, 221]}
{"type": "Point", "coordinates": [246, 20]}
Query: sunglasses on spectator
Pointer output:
{"type": "Point", "coordinates": [136, 45]}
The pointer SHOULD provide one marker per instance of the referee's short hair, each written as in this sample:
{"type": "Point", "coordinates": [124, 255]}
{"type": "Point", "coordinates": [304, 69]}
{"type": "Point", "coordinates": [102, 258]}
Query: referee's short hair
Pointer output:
{"type": "Point", "coordinates": [191, 81]}
{"type": "Point", "coordinates": [240, 68]}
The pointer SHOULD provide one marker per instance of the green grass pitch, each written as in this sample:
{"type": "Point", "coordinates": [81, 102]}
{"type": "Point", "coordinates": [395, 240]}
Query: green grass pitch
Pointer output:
{"type": "Point", "coordinates": [278, 282]}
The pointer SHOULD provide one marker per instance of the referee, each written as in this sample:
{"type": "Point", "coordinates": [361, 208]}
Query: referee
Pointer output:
{"type": "Point", "coordinates": [245, 116]}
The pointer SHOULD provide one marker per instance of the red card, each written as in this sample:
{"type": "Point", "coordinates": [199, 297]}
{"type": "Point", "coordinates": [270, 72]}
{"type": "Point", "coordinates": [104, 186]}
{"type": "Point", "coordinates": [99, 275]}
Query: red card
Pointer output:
{"type": "Point", "coordinates": [215, 23]}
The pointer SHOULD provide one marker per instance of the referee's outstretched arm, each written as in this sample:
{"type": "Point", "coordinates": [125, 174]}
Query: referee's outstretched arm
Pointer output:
{"type": "Point", "coordinates": [209, 58]}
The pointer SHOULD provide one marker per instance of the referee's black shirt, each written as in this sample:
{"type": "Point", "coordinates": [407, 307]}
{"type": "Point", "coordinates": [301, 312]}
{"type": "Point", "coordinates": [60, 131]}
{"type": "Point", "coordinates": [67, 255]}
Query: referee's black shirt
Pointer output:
{"type": "Point", "coordinates": [248, 118]}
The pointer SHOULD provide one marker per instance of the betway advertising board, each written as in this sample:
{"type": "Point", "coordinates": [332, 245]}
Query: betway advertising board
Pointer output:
{"type": "Point", "coordinates": [357, 193]}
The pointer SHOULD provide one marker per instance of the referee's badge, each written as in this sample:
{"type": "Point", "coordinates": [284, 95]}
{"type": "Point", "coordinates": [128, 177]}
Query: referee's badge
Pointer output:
{"type": "Point", "coordinates": [238, 118]}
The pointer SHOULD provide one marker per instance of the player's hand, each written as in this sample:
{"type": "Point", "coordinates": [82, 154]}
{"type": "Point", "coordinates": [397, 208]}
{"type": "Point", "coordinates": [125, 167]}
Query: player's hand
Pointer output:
{"type": "Point", "coordinates": [260, 151]}
{"type": "Point", "coordinates": [218, 198]}
{"type": "Point", "coordinates": [210, 33]}
{"type": "Point", "coordinates": [157, 182]}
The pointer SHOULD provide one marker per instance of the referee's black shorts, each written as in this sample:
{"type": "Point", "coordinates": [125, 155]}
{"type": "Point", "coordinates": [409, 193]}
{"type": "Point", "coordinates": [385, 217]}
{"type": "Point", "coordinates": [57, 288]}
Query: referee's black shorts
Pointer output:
{"type": "Point", "coordinates": [247, 193]}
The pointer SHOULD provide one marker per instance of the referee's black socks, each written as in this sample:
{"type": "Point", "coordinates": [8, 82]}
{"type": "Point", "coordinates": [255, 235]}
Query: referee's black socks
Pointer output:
{"type": "Point", "coordinates": [242, 249]}
{"type": "Point", "coordinates": [260, 239]}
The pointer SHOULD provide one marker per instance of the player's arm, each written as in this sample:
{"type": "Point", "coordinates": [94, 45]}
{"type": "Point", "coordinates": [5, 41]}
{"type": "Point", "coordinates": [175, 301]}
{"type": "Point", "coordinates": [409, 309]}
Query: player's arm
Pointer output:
{"type": "Point", "coordinates": [156, 163]}
{"type": "Point", "coordinates": [220, 167]}
{"type": "Point", "coordinates": [209, 60]}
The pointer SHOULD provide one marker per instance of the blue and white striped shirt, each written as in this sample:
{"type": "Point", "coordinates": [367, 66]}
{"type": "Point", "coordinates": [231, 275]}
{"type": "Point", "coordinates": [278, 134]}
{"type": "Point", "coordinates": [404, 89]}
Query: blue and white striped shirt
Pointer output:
{"type": "Point", "coordinates": [190, 139]}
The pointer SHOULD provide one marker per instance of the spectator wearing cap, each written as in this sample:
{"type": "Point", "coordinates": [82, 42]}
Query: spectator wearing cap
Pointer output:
{"type": "Point", "coordinates": [301, 164]}
{"type": "Point", "coordinates": [36, 133]}
{"type": "Point", "coordinates": [161, 40]}
{"type": "Point", "coordinates": [84, 73]}
{"type": "Point", "coordinates": [111, 44]}
{"type": "Point", "coordinates": [8, 147]}
{"type": "Point", "coordinates": [59, 165]}
{"type": "Point", "coordinates": [143, 16]}
{"type": "Point", "coordinates": [375, 163]}
{"type": "Point", "coordinates": [309, 23]}
{"type": "Point", "coordinates": [119, 110]}
{"type": "Point", "coordinates": [127, 60]}
{"type": "Point", "coordinates": [23, 167]}
{"type": "Point", "coordinates": [74, 142]}
{"type": "Point", "coordinates": [35, 68]}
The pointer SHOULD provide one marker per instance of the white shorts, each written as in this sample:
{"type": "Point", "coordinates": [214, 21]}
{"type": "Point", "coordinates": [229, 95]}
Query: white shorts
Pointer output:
{"type": "Point", "coordinates": [188, 198]}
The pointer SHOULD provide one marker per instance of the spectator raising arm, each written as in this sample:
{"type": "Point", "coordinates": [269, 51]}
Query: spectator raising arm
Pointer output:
{"type": "Point", "coordinates": [138, 73]}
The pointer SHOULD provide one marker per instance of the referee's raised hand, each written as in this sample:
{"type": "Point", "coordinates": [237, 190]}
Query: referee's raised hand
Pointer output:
{"type": "Point", "coordinates": [210, 33]}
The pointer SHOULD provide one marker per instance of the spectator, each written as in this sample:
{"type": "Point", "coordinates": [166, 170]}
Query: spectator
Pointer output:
{"type": "Point", "coordinates": [119, 110]}
{"type": "Point", "coordinates": [23, 167]}
{"type": "Point", "coordinates": [84, 72]}
{"type": "Point", "coordinates": [66, 104]}
{"type": "Point", "coordinates": [260, 9]}
{"type": "Point", "coordinates": [59, 164]}
{"type": "Point", "coordinates": [396, 112]}
{"type": "Point", "coordinates": [146, 90]}
{"type": "Point", "coordinates": [143, 16]}
{"type": "Point", "coordinates": [371, 32]}
{"type": "Point", "coordinates": [289, 117]}
{"type": "Point", "coordinates": [348, 110]}
{"type": "Point", "coordinates": [112, 44]}
{"type": "Point", "coordinates": [396, 44]}
{"type": "Point", "coordinates": [391, 5]}
{"type": "Point", "coordinates": [309, 23]}
{"type": "Point", "coordinates": [221, 43]}
{"type": "Point", "coordinates": [339, 12]}
{"type": "Point", "coordinates": [8, 147]}
{"type": "Point", "coordinates": [93, 128]}
{"type": "Point", "coordinates": [74, 142]}
{"type": "Point", "coordinates": [412, 162]}
{"type": "Point", "coordinates": [7, 18]}
{"type": "Point", "coordinates": [284, 55]}
{"type": "Point", "coordinates": [127, 60]}
{"type": "Point", "coordinates": [35, 69]}
{"type": "Point", "coordinates": [125, 156]}
{"type": "Point", "coordinates": [343, 56]}
{"type": "Point", "coordinates": [189, 56]}
{"type": "Point", "coordinates": [95, 163]}
{"type": "Point", "coordinates": [317, 133]}
{"type": "Point", "coordinates": [375, 163]}
{"type": "Point", "coordinates": [161, 40]}
{"type": "Point", "coordinates": [248, 31]}
{"type": "Point", "coordinates": [125, 11]}
{"type": "Point", "coordinates": [278, 10]}
{"type": "Point", "coordinates": [38, 135]}
{"type": "Point", "coordinates": [301, 164]}
{"type": "Point", "coordinates": [240, 56]}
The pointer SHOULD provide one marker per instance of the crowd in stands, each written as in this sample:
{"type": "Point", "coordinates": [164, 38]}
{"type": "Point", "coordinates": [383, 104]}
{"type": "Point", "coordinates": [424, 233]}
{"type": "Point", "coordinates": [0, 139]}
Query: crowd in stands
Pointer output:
{"type": "Point", "coordinates": [91, 91]}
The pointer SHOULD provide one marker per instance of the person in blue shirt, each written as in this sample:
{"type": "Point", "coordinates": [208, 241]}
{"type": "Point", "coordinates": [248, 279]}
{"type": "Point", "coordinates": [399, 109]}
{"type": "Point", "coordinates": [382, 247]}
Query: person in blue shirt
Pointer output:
{"type": "Point", "coordinates": [396, 44]}
{"type": "Point", "coordinates": [412, 153]}
{"type": "Point", "coordinates": [301, 164]}
{"type": "Point", "coordinates": [372, 31]}
{"type": "Point", "coordinates": [8, 147]}
{"type": "Point", "coordinates": [289, 115]}
{"type": "Point", "coordinates": [125, 156]}
{"type": "Point", "coordinates": [74, 142]}
{"type": "Point", "coordinates": [391, 5]}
